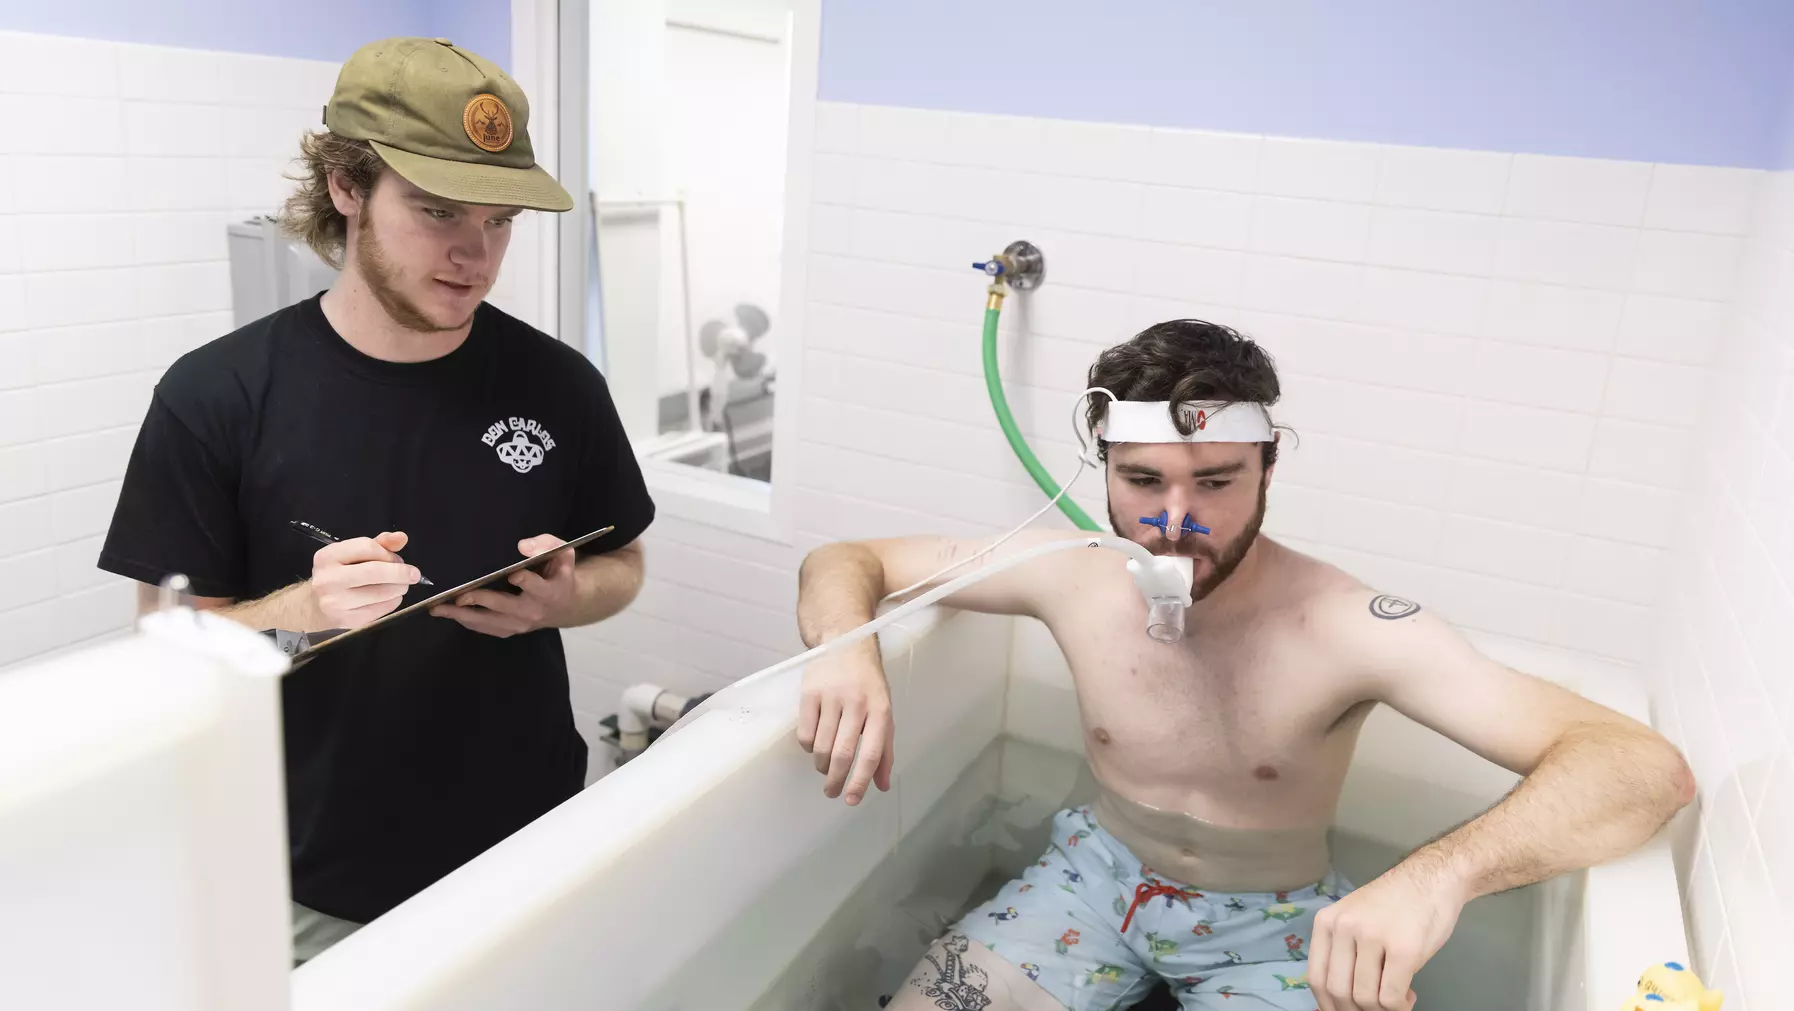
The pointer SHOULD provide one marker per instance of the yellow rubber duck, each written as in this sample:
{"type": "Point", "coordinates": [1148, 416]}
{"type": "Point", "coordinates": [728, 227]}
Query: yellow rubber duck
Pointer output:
{"type": "Point", "coordinates": [1673, 987]}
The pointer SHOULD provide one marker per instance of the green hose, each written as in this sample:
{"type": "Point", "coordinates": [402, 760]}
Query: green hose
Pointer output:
{"type": "Point", "coordinates": [1000, 404]}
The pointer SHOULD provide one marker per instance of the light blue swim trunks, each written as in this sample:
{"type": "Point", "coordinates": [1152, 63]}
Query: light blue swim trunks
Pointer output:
{"type": "Point", "coordinates": [1097, 930]}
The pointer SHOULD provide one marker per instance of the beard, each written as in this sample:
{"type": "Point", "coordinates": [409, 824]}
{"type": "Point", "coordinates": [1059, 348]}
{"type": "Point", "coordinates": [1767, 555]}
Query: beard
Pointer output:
{"type": "Point", "coordinates": [378, 271]}
{"type": "Point", "coordinates": [1225, 559]}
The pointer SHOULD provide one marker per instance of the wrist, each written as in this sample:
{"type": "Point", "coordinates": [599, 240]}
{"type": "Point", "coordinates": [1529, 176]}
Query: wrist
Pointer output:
{"type": "Point", "coordinates": [588, 600]}
{"type": "Point", "coordinates": [1435, 869]}
{"type": "Point", "coordinates": [306, 610]}
{"type": "Point", "coordinates": [565, 616]}
{"type": "Point", "coordinates": [868, 643]}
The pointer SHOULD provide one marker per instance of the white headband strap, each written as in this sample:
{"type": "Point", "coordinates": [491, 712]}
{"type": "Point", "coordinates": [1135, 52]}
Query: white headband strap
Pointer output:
{"type": "Point", "coordinates": [1209, 421]}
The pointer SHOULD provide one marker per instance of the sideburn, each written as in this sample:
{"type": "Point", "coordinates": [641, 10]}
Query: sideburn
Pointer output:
{"type": "Point", "coordinates": [371, 259]}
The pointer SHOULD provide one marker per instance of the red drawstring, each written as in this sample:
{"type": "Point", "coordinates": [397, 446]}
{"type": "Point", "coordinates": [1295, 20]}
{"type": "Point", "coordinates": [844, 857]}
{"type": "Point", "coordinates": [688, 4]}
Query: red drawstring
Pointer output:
{"type": "Point", "coordinates": [1145, 892]}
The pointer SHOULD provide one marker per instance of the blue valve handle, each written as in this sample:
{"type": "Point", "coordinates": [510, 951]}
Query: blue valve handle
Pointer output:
{"type": "Point", "coordinates": [992, 267]}
{"type": "Point", "coordinates": [1163, 521]}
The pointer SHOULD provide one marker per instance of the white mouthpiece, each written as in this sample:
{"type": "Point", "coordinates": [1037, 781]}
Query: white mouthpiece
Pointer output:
{"type": "Point", "coordinates": [1166, 577]}
{"type": "Point", "coordinates": [1165, 582]}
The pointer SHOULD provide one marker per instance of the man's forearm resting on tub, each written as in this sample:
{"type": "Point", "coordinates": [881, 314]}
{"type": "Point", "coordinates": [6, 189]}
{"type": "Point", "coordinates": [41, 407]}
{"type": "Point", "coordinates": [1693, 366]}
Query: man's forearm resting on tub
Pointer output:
{"type": "Point", "coordinates": [838, 590]}
{"type": "Point", "coordinates": [1600, 792]}
{"type": "Point", "coordinates": [605, 585]}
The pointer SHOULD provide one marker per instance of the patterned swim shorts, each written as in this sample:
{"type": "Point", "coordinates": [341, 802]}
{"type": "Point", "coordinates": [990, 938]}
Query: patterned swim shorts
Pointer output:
{"type": "Point", "coordinates": [1097, 930]}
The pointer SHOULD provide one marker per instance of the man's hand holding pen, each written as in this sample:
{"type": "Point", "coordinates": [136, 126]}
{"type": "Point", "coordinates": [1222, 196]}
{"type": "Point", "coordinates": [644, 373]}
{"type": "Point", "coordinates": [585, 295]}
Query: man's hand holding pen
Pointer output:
{"type": "Point", "coordinates": [356, 581]}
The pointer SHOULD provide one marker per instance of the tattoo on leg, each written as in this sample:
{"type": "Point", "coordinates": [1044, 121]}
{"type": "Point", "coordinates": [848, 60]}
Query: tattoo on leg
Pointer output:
{"type": "Point", "coordinates": [1391, 607]}
{"type": "Point", "coordinates": [958, 985]}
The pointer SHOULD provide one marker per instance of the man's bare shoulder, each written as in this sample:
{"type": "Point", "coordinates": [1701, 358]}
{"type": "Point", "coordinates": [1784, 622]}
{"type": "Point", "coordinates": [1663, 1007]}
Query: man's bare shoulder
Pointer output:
{"type": "Point", "coordinates": [1306, 584]}
{"type": "Point", "coordinates": [1338, 606]}
{"type": "Point", "coordinates": [1069, 587]}
{"type": "Point", "coordinates": [1380, 641]}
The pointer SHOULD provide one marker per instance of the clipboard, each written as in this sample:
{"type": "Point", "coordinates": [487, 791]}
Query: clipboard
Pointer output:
{"type": "Point", "coordinates": [305, 655]}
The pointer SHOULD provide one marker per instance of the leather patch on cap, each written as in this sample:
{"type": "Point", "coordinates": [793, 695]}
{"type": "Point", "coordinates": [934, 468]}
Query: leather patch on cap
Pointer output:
{"type": "Point", "coordinates": [488, 123]}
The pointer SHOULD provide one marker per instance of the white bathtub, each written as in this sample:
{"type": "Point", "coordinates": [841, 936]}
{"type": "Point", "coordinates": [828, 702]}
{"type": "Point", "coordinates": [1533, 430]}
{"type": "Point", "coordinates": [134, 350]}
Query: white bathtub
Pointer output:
{"type": "Point", "coordinates": [712, 874]}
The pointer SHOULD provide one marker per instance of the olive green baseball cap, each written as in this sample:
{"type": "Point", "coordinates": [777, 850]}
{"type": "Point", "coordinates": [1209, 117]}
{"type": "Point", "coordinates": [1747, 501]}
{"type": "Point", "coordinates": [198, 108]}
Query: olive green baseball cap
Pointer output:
{"type": "Point", "coordinates": [446, 119]}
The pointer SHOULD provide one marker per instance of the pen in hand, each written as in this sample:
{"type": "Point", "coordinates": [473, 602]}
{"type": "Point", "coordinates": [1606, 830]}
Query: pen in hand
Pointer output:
{"type": "Point", "coordinates": [323, 537]}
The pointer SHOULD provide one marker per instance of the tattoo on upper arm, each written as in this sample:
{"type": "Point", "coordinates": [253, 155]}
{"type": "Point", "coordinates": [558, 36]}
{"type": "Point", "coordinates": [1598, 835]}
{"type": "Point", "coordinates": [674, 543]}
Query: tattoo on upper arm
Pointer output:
{"type": "Point", "coordinates": [1392, 607]}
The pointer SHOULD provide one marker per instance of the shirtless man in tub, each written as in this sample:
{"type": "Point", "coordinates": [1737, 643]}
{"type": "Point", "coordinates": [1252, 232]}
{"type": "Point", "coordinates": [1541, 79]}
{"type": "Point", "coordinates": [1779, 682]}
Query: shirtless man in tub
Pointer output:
{"type": "Point", "coordinates": [1220, 758]}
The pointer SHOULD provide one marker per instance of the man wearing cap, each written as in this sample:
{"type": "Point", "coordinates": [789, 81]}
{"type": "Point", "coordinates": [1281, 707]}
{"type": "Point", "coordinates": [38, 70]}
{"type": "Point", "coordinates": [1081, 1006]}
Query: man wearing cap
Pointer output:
{"type": "Point", "coordinates": [402, 413]}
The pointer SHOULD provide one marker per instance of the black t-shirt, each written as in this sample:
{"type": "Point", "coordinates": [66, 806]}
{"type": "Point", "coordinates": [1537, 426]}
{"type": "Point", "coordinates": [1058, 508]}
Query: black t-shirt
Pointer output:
{"type": "Point", "coordinates": [412, 750]}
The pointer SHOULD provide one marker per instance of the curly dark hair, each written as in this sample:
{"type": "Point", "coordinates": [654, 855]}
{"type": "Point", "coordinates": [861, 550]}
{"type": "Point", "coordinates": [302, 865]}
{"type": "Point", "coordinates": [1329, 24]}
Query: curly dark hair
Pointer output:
{"type": "Point", "coordinates": [1183, 360]}
{"type": "Point", "coordinates": [310, 214]}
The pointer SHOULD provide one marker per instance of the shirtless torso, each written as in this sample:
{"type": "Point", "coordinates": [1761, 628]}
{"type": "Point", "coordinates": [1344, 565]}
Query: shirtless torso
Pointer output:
{"type": "Point", "coordinates": [1220, 756]}
{"type": "Point", "coordinates": [1248, 722]}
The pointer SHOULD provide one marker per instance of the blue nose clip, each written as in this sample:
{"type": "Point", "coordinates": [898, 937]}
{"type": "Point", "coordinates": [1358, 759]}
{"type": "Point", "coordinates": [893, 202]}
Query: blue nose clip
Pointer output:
{"type": "Point", "coordinates": [1163, 522]}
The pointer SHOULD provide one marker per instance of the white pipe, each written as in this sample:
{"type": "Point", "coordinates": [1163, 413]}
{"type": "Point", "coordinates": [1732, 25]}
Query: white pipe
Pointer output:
{"type": "Point", "coordinates": [643, 707]}
{"type": "Point", "coordinates": [668, 708]}
{"type": "Point", "coordinates": [636, 712]}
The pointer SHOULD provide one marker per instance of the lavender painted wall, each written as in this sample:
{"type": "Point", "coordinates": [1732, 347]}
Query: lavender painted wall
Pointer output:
{"type": "Point", "coordinates": [314, 29]}
{"type": "Point", "coordinates": [1651, 80]}
{"type": "Point", "coordinates": [484, 27]}
{"type": "Point", "coordinates": [1783, 149]}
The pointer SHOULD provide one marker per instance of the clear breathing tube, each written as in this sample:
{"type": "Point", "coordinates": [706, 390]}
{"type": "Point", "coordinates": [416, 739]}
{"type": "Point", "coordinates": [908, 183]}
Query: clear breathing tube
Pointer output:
{"type": "Point", "coordinates": [1164, 579]}
{"type": "Point", "coordinates": [1084, 462]}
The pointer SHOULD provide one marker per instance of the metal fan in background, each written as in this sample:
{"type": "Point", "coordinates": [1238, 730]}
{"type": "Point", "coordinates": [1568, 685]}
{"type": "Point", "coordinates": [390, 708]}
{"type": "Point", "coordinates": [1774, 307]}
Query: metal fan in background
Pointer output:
{"type": "Point", "coordinates": [730, 346]}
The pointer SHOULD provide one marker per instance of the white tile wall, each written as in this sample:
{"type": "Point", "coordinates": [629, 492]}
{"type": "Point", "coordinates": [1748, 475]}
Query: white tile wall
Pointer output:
{"type": "Point", "coordinates": [1562, 252]}
{"type": "Point", "coordinates": [1493, 360]}
{"type": "Point", "coordinates": [1690, 199]}
{"type": "Point", "coordinates": [1728, 687]}
{"type": "Point", "coordinates": [115, 190]}
{"type": "Point", "coordinates": [1592, 190]}
{"type": "Point", "coordinates": [1443, 180]}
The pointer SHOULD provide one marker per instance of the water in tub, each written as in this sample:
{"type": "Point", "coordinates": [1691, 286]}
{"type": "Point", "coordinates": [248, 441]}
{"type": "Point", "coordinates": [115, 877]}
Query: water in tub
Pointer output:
{"type": "Point", "coordinates": [995, 820]}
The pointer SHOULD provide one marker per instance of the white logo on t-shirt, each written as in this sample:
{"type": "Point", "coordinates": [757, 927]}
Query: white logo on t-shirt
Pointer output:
{"type": "Point", "coordinates": [519, 451]}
